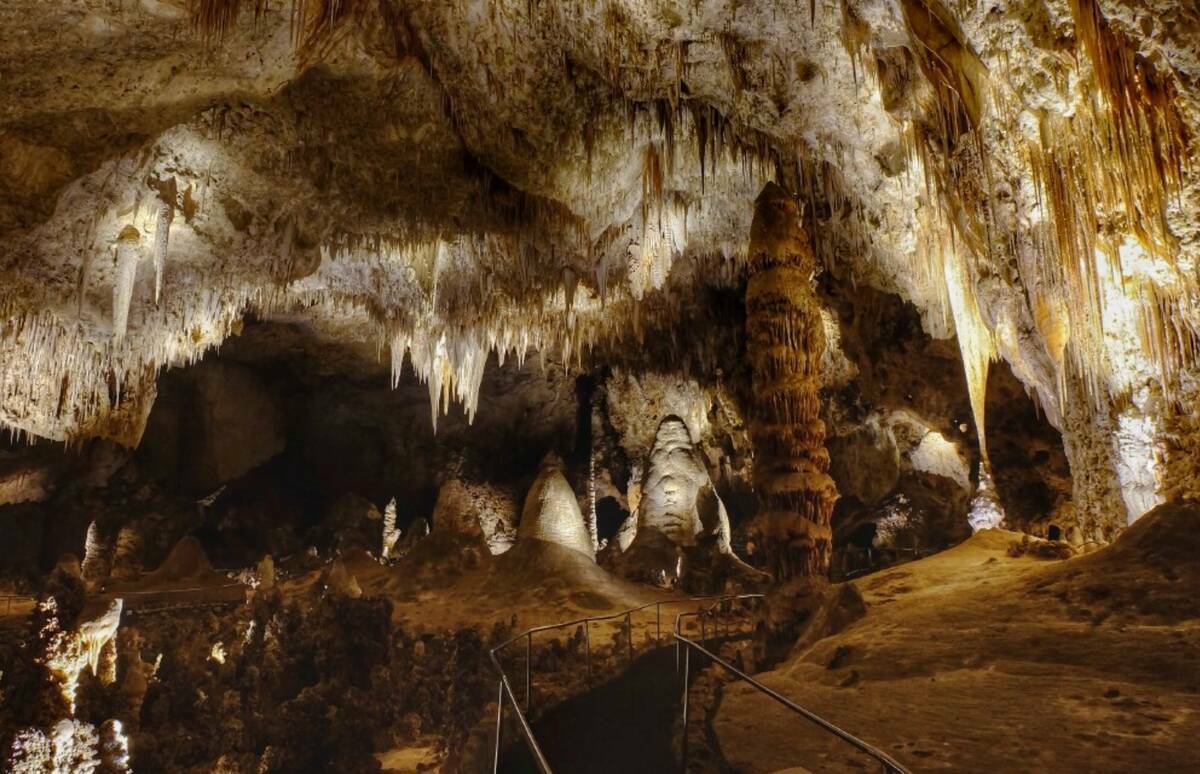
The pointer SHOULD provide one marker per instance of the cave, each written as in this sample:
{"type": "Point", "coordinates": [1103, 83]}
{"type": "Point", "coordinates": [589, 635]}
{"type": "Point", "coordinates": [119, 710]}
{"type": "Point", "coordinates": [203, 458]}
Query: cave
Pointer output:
{"type": "Point", "coordinates": [609, 518]}
{"type": "Point", "coordinates": [572, 386]}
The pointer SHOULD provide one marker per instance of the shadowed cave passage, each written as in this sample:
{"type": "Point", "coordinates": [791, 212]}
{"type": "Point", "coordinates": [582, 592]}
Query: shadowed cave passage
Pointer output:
{"type": "Point", "coordinates": [609, 517]}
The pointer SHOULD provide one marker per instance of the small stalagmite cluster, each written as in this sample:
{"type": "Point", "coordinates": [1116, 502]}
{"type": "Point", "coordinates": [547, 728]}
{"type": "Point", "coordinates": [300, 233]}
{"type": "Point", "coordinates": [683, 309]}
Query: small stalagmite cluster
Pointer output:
{"type": "Point", "coordinates": [785, 343]}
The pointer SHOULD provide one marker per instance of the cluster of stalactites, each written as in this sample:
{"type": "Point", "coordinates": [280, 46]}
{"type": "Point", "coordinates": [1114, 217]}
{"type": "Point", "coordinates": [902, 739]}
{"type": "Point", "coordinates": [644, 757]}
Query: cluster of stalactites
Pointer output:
{"type": "Point", "coordinates": [1106, 173]}
{"type": "Point", "coordinates": [944, 269]}
{"type": "Point", "coordinates": [785, 341]}
{"type": "Point", "coordinates": [57, 382]}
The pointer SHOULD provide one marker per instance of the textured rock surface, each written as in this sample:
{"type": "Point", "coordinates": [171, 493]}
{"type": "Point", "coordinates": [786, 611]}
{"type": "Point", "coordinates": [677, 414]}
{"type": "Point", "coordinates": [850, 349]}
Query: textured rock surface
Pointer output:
{"type": "Point", "coordinates": [673, 478]}
{"type": "Point", "coordinates": [551, 511]}
{"type": "Point", "coordinates": [450, 179]}
{"type": "Point", "coordinates": [785, 344]}
{"type": "Point", "coordinates": [479, 511]}
{"type": "Point", "coordinates": [1031, 634]}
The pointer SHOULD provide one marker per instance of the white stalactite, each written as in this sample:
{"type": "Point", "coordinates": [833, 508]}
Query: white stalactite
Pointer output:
{"type": "Point", "coordinates": [128, 255]}
{"type": "Point", "coordinates": [162, 236]}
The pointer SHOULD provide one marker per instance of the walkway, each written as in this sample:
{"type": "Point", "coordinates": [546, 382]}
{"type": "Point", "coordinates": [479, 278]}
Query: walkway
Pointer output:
{"type": "Point", "coordinates": [624, 725]}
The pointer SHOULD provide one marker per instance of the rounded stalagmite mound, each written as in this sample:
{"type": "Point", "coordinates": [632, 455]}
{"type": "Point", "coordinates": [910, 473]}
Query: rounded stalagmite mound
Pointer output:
{"type": "Point", "coordinates": [551, 513]}
{"type": "Point", "coordinates": [187, 561]}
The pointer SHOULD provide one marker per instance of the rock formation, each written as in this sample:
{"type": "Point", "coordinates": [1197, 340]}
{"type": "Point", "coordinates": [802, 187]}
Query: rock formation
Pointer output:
{"type": "Point", "coordinates": [391, 533]}
{"type": "Point", "coordinates": [551, 512]}
{"type": "Point", "coordinates": [70, 647]}
{"type": "Point", "coordinates": [785, 342]}
{"type": "Point", "coordinates": [823, 285]}
{"type": "Point", "coordinates": [679, 528]}
{"type": "Point", "coordinates": [481, 513]}
{"type": "Point", "coordinates": [674, 475]}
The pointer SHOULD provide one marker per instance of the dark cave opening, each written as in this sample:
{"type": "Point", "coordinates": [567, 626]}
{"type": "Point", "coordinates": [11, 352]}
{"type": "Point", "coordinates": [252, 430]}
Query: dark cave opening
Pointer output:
{"type": "Point", "coordinates": [609, 518]}
{"type": "Point", "coordinates": [1029, 464]}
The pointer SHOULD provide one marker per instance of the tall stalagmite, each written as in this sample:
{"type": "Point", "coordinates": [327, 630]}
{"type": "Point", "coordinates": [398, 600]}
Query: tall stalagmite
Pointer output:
{"type": "Point", "coordinates": [784, 343]}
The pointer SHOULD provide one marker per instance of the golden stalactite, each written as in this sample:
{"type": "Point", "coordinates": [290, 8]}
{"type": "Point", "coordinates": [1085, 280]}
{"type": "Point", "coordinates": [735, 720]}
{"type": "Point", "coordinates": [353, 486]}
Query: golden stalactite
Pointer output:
{"type": "Point", "coordinates": [1110, 169]}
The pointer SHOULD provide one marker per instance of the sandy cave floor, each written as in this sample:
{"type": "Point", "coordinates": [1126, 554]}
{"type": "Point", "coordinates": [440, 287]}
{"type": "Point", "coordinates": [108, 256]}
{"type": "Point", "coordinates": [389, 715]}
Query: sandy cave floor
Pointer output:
{"type": "Point", "coordinates": [974, 661]}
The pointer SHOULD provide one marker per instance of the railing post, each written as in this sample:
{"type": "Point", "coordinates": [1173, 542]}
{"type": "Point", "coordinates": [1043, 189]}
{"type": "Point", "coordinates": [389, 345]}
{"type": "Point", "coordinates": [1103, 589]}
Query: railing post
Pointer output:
{"type": "Point", "coordinates": [629, 631]}
{"type": "Point", "coordinates": [687, 658]}
{"type": "Point", "coordinates": [658, 621]}
{"type": "Point", "coordinates": [499, 723]}
{"type": "Point", "coordinates": [528, 669]}
{"type": "Point", "coordinates": [587, 649]}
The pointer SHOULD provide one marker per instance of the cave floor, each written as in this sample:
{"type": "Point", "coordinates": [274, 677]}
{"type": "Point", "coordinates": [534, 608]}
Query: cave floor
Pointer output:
{"type": "Point", "coordinates": [972, 660]}
{"type": "Point", "coordinates": [531, 585]}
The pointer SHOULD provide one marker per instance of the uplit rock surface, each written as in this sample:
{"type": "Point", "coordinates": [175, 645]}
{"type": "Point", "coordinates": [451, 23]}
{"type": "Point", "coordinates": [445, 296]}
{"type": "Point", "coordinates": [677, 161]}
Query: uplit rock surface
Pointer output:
{"type": "Point", "coordinates": [266, 182]}
{"type": "Point", "coordinates": [479, 512]}
{"type": "Point", "coordinates": [551, 512]}
{"type": "Point", "coordinates": [673, 479]}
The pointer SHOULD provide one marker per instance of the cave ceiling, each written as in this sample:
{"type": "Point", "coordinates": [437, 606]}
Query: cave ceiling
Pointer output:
{"type": "Point", "coordinates": [445, 179]}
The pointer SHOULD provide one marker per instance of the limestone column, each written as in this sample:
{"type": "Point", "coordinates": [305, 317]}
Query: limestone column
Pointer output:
{"type": "Point", "coordinates": [784, 343]}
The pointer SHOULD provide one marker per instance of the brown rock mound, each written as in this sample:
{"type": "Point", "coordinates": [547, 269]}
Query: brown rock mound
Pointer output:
{"type": "Point", "coordinates": [186, 562]}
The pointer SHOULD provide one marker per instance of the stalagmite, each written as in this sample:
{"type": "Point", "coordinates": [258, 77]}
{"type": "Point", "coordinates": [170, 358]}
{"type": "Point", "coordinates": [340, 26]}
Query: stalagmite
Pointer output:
{"type": "Point", "coordinates": [126, 562]}
{"type": "Point", "coordinates": [785, 340]}
{"type": "Point", "coordinates": [594, 419]}
{"type": "Point", "coordinates": [97, 558]}
{"type": "Point", "coordinates": [628, 531]}
{"type": "Point", "coordinates": [391, 534]}
{"type": "Point", "coordinates": [551, 513]}
{"type": "Point", "coordinates": [674, 475]}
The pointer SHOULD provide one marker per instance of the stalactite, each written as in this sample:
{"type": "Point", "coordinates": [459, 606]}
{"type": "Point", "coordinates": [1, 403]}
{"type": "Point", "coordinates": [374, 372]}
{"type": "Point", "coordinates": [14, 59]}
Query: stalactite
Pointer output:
{"type": "Point", "coordinates": [162, 236]}
{"type": "Point", "coordinates": [128, 255]}
{"type": "Point", "coordinates": [214, 19]}
{"type": "Point", "coordinates": [784, 344]}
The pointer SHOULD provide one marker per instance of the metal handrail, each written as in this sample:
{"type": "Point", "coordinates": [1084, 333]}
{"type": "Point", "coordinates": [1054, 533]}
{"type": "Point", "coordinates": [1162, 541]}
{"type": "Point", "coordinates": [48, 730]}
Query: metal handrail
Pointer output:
{"type": "Point", "coordinates": [890, 766]}
{"type": "Point", "coordinates": [530, 741]}
{"type": "Point", "coordinates": [9, 599]}
{"type": "Point", "coordinates": [505, 688]}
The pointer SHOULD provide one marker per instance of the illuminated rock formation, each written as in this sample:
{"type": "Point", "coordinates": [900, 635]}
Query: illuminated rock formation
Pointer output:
{"type": "Point", "coordinates": [785, 341]}
{"type": "Point", "coordinates": [294, 255]}
{"type": "Point", "coordinates": [676, 514]}
{"type": "Point", "coordinates": [391, 533]}
{"type": "Point", "coordinates": [551, 512]}
{"type": "Point", "coordinates": [674, 476]}
{"type": "Point", "coordinates": [97, 556]}
{"type": "Point", "coordinates": [481, 513]}
{"type": "Point", "coordinates": [90, 643]}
